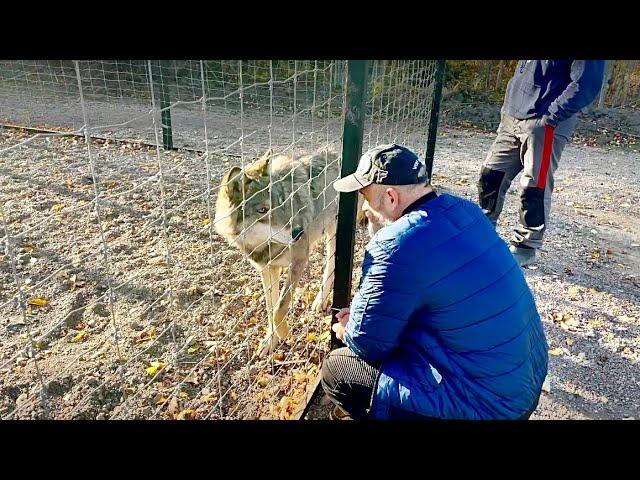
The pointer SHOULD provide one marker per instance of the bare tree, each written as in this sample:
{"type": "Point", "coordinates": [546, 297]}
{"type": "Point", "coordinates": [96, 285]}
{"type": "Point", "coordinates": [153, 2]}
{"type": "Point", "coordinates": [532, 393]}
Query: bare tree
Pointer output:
{"type": "Point", "coordinates": [500, 73]}
{"type": "Point", "coordinates": [606, 83]}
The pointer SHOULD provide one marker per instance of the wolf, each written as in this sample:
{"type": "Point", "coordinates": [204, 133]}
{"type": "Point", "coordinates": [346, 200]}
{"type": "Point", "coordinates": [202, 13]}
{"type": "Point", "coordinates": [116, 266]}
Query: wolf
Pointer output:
{"type": "Point", "coordinates": [275, 211]}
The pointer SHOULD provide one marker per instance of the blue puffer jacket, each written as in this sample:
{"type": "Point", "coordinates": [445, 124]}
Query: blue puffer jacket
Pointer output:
{"type": "Point", "coordinates": [445, 308]}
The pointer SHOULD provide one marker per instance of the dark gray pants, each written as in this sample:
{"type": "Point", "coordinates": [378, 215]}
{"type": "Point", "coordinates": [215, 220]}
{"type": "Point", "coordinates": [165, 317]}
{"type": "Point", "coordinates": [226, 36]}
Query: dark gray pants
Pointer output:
{"type": "Point", "coordinates": [535, 149]}
{"type": "Point", "coordinates": [349, 381]}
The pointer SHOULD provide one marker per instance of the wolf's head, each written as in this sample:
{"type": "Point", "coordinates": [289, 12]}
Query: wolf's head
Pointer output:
{"type": "Point", "coordinates": [245, 203]}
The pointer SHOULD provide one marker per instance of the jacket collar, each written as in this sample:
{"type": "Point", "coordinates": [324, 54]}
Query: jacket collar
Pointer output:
{"type": "Point", "coordinates": [421, 201]}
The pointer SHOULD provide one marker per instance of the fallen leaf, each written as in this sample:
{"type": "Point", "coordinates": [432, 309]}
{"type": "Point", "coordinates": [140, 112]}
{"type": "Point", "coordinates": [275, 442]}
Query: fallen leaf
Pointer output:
{"type": "Point", "coordinates": [57, 207]}
{"type": "Point", "coordinates": [161, 400]}
{"type": "Point", "coordinates": [569, 342]}
{"type": "Point", "coordinates": [324, 336]}
{"type": "Point", "coordinates": [216, 333]}
{"type": "Point", "coordinates": [80, 336]}
{"type": "Point", "coordinates": [579, 205]}
{"type": "Point", "coordinates": [155, 367]}
{"type": "Point", "coordinates": [311, 337]}
{"type": "Point", "coordinates": [573, 291]}
{"type": "Point", "coordinates": [192, 378]}
{"type": "Point", "coordinates": [187, 414]}
{"type": "Point", "coordinates": [206, 221]}
{"type": "Point", "coordinates": [210, 397]}
{"type": "Point", "coordinates": [193, 349]}
{"type": "Point", "coordinates": [79, 326]}
{"type": "Point", "coordinates": [556, 351]}
{"type": "Point", "coordinates": [173, 407]}
{"type": "Point", "coordinates": [146, 335]}
{"type": "Point", "coordinates": [38, 302]}
{"type": "Point", "coordinates": [308, 297]}
{"type": "Point", "coordinates": [183, 394]}
{"type": "Point", "coordinates": [626, 319]}
{"type": "Point", "coordinates": [279, 356]}
{"type": "Point", "coordinates": [263, 381]}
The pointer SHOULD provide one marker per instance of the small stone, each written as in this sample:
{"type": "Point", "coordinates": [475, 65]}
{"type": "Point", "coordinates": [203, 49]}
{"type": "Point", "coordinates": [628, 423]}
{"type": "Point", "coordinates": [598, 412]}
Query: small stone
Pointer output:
{"type": "Point", "coordinates": [136, 326]}
{"type": "Point", "coordinates": [21, 399]}
{"type": "Point", "coordinates": [92, 381]}
{"type": "Point", "coordinates": [16, 323]}
{"type": "Point", "coordinates": [54, 388]}
{"type": "Point", "coordinates": [100, 416]}
{"type": "Point", "coordinates": [157, 260]}
{"type": "Point", "coordinates": [546, 386]}
{"type": "Point", "coordinates": [100, 309]}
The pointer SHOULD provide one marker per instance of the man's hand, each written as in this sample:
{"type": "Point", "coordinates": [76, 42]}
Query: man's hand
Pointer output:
{"type": "Point", "coordinates": [343, 317]}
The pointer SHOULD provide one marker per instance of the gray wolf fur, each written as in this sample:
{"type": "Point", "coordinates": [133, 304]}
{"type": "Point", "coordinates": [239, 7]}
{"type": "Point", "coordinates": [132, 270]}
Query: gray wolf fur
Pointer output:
{"type": "Point", "coordinates": [275, 211]}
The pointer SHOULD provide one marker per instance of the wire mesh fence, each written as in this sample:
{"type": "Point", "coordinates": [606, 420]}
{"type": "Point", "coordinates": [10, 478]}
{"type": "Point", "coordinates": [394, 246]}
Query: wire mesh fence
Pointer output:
{"type": "Point", "coordinates": [143, 282]}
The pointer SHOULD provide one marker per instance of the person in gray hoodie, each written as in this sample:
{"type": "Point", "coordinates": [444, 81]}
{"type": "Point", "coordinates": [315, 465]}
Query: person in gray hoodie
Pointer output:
{"type": "Point", "coordinates": [538, 117]}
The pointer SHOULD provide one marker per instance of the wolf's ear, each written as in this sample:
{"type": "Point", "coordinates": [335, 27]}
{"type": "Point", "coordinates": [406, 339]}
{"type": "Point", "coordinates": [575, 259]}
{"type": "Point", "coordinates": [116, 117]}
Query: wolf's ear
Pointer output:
{"type": "Point", "coordinates": [260, 166]}
{"type": "Point", "coordinates": [232, 183]}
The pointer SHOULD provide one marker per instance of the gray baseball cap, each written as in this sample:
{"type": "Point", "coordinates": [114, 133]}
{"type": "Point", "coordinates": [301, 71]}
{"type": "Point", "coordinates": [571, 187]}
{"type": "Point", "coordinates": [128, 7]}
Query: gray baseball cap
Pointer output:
{"type": "Point", "coordinates": [389, 164]}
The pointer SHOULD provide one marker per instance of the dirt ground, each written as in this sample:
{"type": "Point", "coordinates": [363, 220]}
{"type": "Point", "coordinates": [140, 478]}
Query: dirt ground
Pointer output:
{"type": "Point", "coordinates": [187, 310]}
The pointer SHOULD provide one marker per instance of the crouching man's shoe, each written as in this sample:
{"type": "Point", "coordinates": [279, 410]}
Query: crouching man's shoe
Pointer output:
{"type": "Point", "coordinates": [524, 256]}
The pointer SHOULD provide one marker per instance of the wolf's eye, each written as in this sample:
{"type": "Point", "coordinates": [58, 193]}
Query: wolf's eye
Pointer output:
{"type": "Point", "coordinates": [263, 210]}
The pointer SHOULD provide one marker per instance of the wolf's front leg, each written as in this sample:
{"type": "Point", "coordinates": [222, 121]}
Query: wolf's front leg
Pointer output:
{"type": "Point", "coordinates": [300, 257]}
{"type": "Point", "coordinates": [321, 302]}
{"type": "Point", "coordinates": [271, 283]}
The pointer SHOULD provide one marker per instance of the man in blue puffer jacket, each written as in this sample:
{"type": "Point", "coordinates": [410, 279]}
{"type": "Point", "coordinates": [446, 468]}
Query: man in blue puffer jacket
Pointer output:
{"type": "Point", "coordinates": [444, 325]}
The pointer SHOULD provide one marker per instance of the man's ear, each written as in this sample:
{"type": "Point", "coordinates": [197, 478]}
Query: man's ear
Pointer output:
{"type": "Point", "coordinates": [393, 194]}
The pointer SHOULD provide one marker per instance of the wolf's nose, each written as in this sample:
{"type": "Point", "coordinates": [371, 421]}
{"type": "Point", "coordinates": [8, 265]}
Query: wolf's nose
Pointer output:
{"type": "Point", "coordinates": [297, 232]}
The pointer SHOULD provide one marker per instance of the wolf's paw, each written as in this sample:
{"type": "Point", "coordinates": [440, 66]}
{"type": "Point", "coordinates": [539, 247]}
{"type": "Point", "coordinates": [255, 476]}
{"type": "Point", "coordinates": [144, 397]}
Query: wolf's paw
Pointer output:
{"type": "Point", "coordinates": [267, 345]}
{"type": "Point", "coordinates": [320, 305]}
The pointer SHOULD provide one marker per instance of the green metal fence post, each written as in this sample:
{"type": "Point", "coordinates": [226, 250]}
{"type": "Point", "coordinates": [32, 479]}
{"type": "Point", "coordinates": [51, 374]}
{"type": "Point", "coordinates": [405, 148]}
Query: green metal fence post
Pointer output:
{"type": "Point", "coordinates": [351, 151]}
{"type": "Point", "coordinates": [164, 99]}
{"type": "Point", "coordinates": [432, 129]}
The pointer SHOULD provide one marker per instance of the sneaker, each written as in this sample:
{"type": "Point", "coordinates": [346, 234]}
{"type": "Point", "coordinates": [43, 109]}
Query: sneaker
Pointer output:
{"type": "Point", "coordinates": [337, 413]}
{"type": "Point", "coordinates": [524, 256]}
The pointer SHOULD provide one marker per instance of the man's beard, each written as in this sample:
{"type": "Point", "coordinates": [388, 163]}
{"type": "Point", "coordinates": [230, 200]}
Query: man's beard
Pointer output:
{"type": "Point", "coordinates": [376, 222]}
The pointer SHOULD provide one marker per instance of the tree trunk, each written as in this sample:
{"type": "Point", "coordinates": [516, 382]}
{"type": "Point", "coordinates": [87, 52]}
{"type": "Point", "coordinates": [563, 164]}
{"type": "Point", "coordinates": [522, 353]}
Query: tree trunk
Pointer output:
{"type": "Point", "coordinates": [487, 75]}
{"type": "Point", "coordinates": [605, 84]}
{"type": "Point", "coordinates": [499, 76]}
{"type": "Point", "coordinates": [627, 81]}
